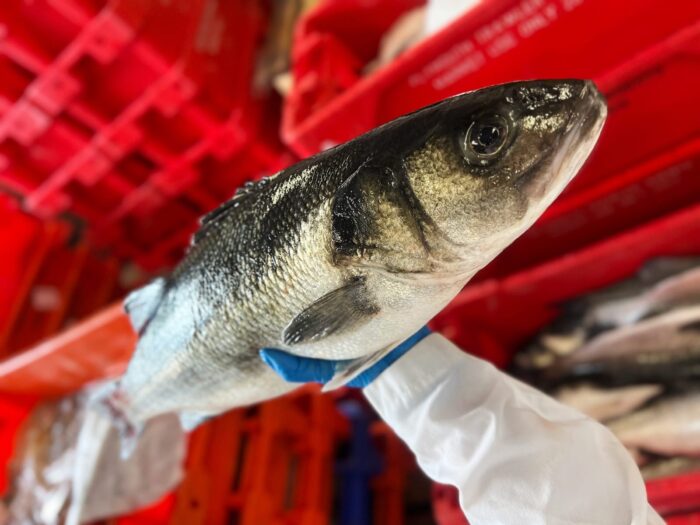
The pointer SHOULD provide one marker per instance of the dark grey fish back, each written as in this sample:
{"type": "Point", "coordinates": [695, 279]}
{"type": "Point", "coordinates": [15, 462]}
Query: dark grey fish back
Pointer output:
{"type": "Point", "coordinates": [243, 235]}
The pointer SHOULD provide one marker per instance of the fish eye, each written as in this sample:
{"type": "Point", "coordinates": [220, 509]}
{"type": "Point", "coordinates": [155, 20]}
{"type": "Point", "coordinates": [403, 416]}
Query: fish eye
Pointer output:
{"type": "Point", "coordinates": [485, 139]}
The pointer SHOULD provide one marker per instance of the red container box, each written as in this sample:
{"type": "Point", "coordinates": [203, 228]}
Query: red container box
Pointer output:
{"type": "Point", "coordinates": [48, 278]}
{"type": "Point", "coordinates": [645, 60]}
{"type": "Point", "coordinates": [271, 464]}
{"type": "Point", "coordinates": [107, 116]}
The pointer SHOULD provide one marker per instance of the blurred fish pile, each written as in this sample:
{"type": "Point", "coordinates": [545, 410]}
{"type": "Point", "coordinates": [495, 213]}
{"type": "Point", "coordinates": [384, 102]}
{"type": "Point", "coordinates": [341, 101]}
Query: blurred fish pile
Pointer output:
{"type": "Point", "coordinates": [629, 356]}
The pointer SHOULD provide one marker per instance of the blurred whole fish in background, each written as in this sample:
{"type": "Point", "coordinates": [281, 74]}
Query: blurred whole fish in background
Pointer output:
{"type": "Point", "coordinates": [669, 426]}
{"type": "Point", "coordinates": [662, 348]}
{"type": "Point", "coordinates": [606, 403]}
{"type": "Point", "coordinates": [659, 286]}
{"type": "Point", "coordinates": [629, 356]}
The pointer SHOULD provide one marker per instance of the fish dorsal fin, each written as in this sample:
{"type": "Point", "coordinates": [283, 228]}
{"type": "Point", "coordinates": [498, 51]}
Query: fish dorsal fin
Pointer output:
{"type": "Point", "coordinates": [141, 304]}
{"type": "Point", "coordinates": [225, 209]}
{"type": "Point", "coordinates": [342, 309]}
{"type": "Point", "coordinates": [213, 217]}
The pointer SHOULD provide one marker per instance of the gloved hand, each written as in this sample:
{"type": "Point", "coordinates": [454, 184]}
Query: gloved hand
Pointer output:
{"type": "Point", "coordinates": [297, 369]}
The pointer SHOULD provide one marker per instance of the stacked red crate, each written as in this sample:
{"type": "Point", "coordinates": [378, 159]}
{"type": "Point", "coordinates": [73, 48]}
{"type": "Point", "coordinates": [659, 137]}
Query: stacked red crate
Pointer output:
{"type": "Point", "coordinates": [135, 129]}
{"type": "Point", "coordinates": [645, 58]}
{"type": "Point", "coordinates": [272, 464]}
{"type": "Point", "coordinates": [49, 279]}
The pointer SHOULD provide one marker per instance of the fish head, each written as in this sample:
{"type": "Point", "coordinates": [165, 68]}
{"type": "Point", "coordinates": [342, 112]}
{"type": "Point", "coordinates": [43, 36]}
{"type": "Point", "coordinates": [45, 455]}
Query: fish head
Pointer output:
{"type": "Point", "coordinates": [486, 164]}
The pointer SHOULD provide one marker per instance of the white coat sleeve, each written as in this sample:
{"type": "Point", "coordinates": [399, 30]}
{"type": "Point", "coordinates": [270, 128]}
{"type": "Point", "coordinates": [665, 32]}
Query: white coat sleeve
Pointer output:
{"type": "Point", "coordinates": [515, 454]}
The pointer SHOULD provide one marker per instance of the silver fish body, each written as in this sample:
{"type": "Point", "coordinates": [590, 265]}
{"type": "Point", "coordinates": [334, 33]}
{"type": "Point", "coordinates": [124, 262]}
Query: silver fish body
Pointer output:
{"type": "Point", "coordinates": [606, 403]}
{"type": "Point", "coordinates": [660, 285]}
{"type": "Point", "coordinates": [349, 252]}
{"type": "Point", "coordinates": [669, 426]}
{"type": "Point", "coordinates": [666, 467]}
{"type": "Point", "coordinates": [678, 290]}
{"type": "Point", "coordinates": [662, 348]}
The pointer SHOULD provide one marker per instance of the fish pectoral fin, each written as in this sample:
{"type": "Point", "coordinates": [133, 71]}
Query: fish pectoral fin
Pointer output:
{"type": "Point", "coordinates": [141, 305]}
{"type": "Point", "coordinates": [351, 369]}
{"type": "Point", "coordinates": [336, 312]}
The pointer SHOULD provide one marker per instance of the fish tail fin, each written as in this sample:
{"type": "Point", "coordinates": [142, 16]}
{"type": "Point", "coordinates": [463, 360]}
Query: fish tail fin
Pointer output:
{"type": "Point", "coordinates": [112, 401]}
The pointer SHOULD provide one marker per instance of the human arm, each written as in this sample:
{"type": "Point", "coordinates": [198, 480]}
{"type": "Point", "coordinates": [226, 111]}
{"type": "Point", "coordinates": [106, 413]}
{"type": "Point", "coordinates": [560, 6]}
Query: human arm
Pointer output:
{"type": "Point", "coordinates": [516, 455]}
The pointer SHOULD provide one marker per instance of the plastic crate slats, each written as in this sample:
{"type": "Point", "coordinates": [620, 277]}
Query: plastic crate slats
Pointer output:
{"type": "Point", "coordinates": [44, 311]}
{"type": "Point", "coordinates": [439, 67]}
{"type": "Point", "coordinates": [282, 444]}
{"type": "Point", "coordinates": [107, 72]}
{"type": "Point", "coordinates": [28, 243]}
{"type": "Point", "coordinates": [97, 286]}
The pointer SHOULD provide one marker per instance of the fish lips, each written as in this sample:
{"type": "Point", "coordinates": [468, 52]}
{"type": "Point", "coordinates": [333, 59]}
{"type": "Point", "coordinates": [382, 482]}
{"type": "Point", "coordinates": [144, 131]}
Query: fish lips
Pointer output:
{"type": "Point", "coordinates": [567, 153]}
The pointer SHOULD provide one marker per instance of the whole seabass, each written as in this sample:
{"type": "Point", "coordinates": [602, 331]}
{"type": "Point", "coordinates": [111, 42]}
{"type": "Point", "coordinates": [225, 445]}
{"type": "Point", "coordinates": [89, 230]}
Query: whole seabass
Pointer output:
{"type": "Point", "coordinates": [347, 253]}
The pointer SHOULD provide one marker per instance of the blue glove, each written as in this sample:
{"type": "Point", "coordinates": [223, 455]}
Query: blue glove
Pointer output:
{"type": "Point", "coordinates": [297, 369]}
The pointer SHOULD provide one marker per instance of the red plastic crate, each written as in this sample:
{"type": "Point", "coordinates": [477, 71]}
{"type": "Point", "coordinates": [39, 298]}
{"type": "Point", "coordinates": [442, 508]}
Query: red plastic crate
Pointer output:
{"type": "Point", "coordinates": [446, 509]}
{"type": "Point", "coordinates": [46, 306]}
{"type": "Point", "coordinates": [97, 286]}
{"type": "Point", "coordinates": [389, 487]}
{"type": "Point", "coordinates": [646, 60]}
{"type": "Point", "coordinates": [27, 243]}
{"type": "Point", "coordinates": [329, 56]}
{"type": "Point", "coordinates": [96, 348]}
{"type": "Point", "coordinates": [272, 464]}
{"type": "Point", "coordinates": [684, 519]}
{"type": "Point", "coordinates": [109, 117]}
{"type": "Point", "coordinates": [48, 278]}
{"type": "Point", "coordinates": [496, 41]}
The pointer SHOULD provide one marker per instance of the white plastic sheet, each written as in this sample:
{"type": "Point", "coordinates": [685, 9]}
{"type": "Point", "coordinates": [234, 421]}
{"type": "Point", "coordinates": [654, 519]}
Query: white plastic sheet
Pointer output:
{"type": "Point", "coordinates": [68, 466]}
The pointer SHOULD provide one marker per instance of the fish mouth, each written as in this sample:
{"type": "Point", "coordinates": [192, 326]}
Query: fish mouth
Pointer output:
{"type": "Point", "coordinates": [571, 149]}
{"type": "Point", "coordinates": [592, 113]}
